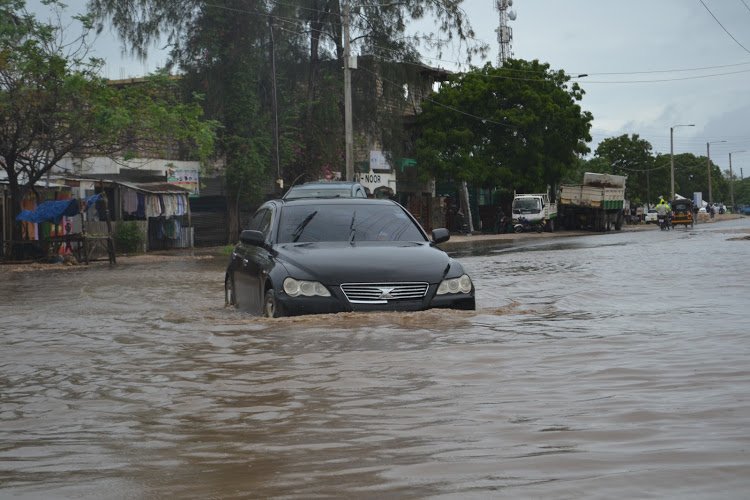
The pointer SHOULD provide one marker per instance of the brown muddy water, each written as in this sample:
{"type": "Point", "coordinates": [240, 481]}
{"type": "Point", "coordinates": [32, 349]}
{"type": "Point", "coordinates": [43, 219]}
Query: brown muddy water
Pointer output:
{"type": "Point", "coordinates": [603, 366]}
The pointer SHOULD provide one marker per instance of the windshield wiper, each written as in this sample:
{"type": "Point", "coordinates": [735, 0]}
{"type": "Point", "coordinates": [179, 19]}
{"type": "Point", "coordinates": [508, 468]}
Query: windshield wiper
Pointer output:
{"type": "Point", "coordinates": [352, 231]}
{"type": "Point", "coordinates": [301, 227]}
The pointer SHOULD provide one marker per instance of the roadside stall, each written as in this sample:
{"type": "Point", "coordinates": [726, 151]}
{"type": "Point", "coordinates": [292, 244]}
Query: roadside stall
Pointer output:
{"type": "Point", "coordinates": [51, 224]}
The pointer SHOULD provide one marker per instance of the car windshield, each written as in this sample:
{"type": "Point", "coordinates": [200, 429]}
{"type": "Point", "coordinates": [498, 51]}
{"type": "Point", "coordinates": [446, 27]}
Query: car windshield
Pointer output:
{"type": "Point", "coordinates": [309, 223]}
{"type": "Point", "coordinates": [526, 205]}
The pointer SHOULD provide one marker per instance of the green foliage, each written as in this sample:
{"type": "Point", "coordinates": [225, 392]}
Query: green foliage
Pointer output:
{"type": "Point", "coordinates": [267, 66]}
{"type": "Point", "coordinates": [630, 156]}
{"type": "Point", "coordinates": [518, 125]}
{"type": "Point", "coordinates": [649, 176]}
{"type": "Point", "coordinates": [128, 238]}
{"type": "Point", "coordinates": [742, 192]}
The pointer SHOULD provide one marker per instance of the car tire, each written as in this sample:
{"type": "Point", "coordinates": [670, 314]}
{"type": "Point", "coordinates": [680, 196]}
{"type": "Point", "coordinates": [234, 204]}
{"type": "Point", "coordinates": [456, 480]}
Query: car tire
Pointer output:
{"type": "Point", "coordinates": [230, 296]}
{"type": "Point", "coordinates": [271, 307]}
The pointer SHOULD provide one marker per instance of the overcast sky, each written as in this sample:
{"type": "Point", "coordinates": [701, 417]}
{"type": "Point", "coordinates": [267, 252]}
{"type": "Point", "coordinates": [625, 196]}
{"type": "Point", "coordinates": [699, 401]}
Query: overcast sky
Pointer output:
{"type": "Point", "coordinates": [674, 64]}
{"type": "Point", "coordinates": [642, 40]}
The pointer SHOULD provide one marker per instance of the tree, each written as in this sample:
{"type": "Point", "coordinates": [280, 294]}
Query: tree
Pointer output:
{"type": "Point", "coordinates": [53, 103]}
{"type": "Point", "coordinates": [285, 60]}
{"type": "Point", "coordinates": [518, 125]}
{"type": "Point", "coordinates": [630, 156]}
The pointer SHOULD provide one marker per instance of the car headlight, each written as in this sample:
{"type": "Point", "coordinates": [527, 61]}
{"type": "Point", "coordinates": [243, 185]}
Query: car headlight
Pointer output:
{"type": "Point", "coordinates": [455, 285]}
{"type": "Point", "coordinates": [295, 288]}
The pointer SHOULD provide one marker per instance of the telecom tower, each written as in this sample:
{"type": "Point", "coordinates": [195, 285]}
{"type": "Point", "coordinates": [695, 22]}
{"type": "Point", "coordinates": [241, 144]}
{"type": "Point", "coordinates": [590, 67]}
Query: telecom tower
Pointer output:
{"type": "Point", "coordinates": [504, 32]}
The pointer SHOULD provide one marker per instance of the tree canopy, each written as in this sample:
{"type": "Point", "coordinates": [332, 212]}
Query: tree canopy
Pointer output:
{"type": "Point", "coordinates": [630, 156]}
{"type": "Point", "coordinates": [519, 125]}
{"type": "Point", "coordinates": [272, 74]}
{"type": "Point", "coordinates": [286, 59]}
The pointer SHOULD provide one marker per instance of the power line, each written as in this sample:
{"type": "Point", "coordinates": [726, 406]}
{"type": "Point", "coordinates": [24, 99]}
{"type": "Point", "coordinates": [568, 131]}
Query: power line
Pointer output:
{"type": "Point", "coordinates": [722, 26]}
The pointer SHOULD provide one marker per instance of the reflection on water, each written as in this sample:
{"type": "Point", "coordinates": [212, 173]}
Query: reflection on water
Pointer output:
{"type": "Point", "coordinates": [601, 366]}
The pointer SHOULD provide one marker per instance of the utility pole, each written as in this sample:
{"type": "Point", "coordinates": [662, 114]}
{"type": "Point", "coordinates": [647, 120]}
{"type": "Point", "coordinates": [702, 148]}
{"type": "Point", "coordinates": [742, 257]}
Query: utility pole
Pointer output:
{"type": "Point", "coordinates": [279, 179]}
{"type": "Point", "coordinates": [708, 157]}
{"type": "Point", "coordinates": [348, 132]}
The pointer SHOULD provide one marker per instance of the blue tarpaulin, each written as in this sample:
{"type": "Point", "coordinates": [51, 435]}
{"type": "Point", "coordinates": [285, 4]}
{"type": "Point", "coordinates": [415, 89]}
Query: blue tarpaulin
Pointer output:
{"type": "Point", "coordinates": [53, 211]}
{"type": "Point", "coordinates": [50, 211]}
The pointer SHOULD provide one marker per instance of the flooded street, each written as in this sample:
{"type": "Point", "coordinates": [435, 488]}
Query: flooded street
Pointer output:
{"type": "Point", "coordinates": [602, 366]}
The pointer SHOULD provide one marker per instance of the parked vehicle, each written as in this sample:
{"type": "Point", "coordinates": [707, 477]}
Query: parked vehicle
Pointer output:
{"type": "Point", "coordinates": [326, 189]}
{"type": "Point", "coordinates": [651, 216]}
{"type": "Point", "coordinates": [536, 208]}
{"type": "Point", "coordinates": [596, 204]}
{"type": "Point", "coordinates": [333, 255]}
{"type": "Point", "coordinates": [745, 210]}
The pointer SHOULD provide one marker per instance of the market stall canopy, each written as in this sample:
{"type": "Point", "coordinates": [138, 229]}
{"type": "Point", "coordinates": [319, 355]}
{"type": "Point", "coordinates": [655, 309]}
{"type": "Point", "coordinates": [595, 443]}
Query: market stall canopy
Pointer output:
{"type": "Point", "coordinates": [54, 211]}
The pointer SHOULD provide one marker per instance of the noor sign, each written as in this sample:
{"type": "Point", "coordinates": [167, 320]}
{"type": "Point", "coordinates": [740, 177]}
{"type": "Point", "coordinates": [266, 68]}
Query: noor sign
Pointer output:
{"type": "Point", "coordinates": [380, 174]}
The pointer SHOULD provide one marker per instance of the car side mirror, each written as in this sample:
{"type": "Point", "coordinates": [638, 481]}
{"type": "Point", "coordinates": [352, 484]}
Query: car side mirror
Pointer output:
{"type": "Point", "coordinates": [440, 235]}
{"type": "Point", "coordinates": [252, 237]}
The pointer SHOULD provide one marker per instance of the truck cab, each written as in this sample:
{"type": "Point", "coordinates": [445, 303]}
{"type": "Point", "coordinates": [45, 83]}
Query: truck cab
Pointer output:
{"type": "Point", "coordinates": [535, 208]}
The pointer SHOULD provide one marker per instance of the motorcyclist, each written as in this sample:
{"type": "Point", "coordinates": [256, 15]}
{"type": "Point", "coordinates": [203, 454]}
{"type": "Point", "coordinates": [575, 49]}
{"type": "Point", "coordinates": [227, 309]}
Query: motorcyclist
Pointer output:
{"type": "Point", "coordinates": [663, 212]}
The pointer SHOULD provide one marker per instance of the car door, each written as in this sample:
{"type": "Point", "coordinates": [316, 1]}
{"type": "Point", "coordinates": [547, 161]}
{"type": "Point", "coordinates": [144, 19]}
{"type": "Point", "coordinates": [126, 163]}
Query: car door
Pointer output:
{"type": "Point", "coordinates": [252, 263]}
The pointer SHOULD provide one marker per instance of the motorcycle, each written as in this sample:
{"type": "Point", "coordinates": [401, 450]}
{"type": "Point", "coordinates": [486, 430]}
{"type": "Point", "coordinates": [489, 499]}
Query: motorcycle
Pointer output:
{"type": "Point", "coordinates": [665, 222]}
{"type": "Point", "coordinates": [524, 225]}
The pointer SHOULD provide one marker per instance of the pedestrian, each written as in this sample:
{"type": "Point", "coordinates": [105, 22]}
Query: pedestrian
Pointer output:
{"type": "Point", "coordinates": [501, 222]}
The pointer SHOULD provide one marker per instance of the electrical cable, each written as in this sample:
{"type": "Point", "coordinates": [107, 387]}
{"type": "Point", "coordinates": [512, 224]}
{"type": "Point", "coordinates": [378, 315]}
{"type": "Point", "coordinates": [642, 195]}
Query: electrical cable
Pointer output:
{"type": "Point", "coordinates": [722, 27]}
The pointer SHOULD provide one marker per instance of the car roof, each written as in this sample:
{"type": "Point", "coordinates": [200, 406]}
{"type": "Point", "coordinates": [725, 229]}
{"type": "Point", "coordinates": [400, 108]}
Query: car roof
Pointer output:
{"type": "Point", "coordinates": [333, 201]}
{"type": "Point", "coordinates": [317, 189]}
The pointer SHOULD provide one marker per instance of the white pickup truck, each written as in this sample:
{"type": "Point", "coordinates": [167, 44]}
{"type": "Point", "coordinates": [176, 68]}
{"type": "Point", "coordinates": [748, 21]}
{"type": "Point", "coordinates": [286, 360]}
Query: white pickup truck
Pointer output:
{"type": "Point", "coordinates": [535, 208]}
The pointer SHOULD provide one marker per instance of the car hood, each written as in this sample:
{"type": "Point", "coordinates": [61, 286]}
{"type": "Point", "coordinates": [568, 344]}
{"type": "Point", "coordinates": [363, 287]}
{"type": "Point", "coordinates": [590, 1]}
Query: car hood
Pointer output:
{"type": "Point", "coordinates": [362, 262]}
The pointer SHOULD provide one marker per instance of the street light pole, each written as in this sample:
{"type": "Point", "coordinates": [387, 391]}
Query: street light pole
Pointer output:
{"type": "Point", "coordinates": [708, 155]}
{"type": "Point", "coordinates": [731, 178]}
{"type": "Point", "coordinates": [671, 153]}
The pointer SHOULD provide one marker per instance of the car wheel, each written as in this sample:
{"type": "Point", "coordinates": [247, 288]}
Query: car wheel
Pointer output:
{"type": "Point", "coordinates": [230, 298]}
{"type": "Point", "coordinates": [271, 307]}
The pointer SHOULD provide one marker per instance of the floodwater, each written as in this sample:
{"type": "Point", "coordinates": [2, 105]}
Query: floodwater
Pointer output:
{"type": "Point", "coordinates": [604, 366]}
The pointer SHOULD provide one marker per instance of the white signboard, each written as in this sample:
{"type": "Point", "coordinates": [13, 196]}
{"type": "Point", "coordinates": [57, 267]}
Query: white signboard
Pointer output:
{"type": "Point", "coordinates": [378, 161]}
{"type": "Point", "coordinates": [188, 179]}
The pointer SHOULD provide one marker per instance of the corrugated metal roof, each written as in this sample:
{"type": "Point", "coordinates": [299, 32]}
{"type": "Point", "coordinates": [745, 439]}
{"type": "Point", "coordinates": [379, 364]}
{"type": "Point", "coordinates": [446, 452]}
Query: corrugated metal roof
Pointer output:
{"type": "Point", "coordinates": [155, 187]}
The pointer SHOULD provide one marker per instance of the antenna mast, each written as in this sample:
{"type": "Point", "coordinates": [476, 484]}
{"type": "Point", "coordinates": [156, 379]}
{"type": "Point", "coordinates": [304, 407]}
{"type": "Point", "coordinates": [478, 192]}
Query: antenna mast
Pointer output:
{"type": "Point", "coordinates": [504, 32]}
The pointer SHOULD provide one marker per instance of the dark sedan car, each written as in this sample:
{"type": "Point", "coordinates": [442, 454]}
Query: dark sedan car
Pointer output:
{"type": "Point", "coordinates": [333, 255]}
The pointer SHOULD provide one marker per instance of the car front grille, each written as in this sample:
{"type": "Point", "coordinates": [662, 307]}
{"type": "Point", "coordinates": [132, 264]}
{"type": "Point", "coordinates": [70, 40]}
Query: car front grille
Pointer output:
{"type": "Point", "coordinates": [381, 293]}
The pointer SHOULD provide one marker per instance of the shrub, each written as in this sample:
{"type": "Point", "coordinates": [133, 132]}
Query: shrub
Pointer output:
{"type": "Point", "coordinates": [128, 238]}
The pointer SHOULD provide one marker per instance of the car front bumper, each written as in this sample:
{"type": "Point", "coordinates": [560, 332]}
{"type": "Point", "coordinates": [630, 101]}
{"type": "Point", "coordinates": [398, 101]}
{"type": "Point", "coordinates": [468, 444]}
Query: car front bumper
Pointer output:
{"type": "Point", "coordinates": [336, 303]}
